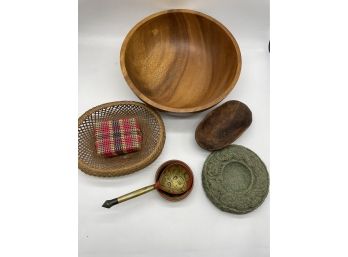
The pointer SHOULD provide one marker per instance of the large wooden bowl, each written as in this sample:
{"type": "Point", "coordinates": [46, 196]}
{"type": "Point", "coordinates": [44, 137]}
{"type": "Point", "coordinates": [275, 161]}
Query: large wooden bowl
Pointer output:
{"type": "Point", "coordinates": [180, 61]}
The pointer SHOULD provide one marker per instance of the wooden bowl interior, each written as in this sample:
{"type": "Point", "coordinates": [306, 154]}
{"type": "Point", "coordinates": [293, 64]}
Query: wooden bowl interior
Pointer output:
{"type": "Point", "coordinates": [181, 60]}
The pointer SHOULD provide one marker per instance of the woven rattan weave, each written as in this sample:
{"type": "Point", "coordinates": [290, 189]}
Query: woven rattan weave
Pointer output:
{"type": "Point", "coordinates": [153, 133]}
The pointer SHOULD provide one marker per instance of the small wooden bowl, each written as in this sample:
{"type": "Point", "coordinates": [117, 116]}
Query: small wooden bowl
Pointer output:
{"type": "Point", "coordinates": [180, 61]}
{"type": "Point", "coordinates": [172, 197]}
{"type": "Point", "coordinates": [153, 133]}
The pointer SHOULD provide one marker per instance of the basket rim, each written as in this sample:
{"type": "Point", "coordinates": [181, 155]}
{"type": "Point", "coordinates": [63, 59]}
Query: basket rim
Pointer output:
{"type": "Point", "coordinates": [113, 172]}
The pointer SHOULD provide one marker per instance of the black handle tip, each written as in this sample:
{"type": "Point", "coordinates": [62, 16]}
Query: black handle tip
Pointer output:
{"type": "Point", "coordinates": [110, 203]}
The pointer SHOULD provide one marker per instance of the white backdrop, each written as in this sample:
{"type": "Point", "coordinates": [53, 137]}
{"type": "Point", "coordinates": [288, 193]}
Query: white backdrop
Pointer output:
{"type": "Point", "coordinates": [149, 225]}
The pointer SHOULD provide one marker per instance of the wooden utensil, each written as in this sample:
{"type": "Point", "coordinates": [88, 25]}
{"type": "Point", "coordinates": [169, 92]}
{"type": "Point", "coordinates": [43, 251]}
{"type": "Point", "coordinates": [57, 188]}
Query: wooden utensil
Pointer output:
{"type": "Point", "coordinates": [223, 125]}
{"type": "Point", "coordinates": [180, 61]}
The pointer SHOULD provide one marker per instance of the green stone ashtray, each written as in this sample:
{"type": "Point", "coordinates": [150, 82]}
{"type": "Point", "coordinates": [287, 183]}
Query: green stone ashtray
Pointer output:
{"type": "Point", "coordinates": [235, 179]}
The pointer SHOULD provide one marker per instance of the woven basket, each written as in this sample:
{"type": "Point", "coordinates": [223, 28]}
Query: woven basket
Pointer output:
{"type": "Point", "coordinates": [153, 132]}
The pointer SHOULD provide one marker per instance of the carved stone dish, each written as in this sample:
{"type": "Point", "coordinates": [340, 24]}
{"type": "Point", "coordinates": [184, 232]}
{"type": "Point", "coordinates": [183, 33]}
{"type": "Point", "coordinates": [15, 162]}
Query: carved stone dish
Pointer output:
{"type": "Point", "coordinates": [235, 179]}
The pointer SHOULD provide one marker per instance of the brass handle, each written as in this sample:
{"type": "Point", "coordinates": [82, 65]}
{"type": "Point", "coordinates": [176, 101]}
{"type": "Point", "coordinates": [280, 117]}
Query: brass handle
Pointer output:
{"type": "Point", "coordinates": [126, 197]}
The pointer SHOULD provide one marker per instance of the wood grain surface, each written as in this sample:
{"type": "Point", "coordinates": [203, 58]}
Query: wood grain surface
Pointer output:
{"type": "Point", "coordinates": [180, 61]}
{"type": "Point", "coordinates": [223, 125]}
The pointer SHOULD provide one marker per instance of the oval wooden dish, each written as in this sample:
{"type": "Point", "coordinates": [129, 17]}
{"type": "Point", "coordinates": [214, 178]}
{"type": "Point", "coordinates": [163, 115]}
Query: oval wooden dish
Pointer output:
{"type": "Point", "coordinates": [180, 61]}
{"type": "Point", "coordinates": [153, 133]}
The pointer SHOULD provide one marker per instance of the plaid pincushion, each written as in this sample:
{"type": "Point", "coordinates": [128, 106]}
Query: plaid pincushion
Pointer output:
{"type": "Point", "coordinates": [116, 137]}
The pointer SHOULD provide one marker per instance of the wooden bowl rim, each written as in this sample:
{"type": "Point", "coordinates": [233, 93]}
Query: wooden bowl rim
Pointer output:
{"type": "Point", "coordinates": [113, 172]}
{"type": "Point", "coordinates": [147, 100]}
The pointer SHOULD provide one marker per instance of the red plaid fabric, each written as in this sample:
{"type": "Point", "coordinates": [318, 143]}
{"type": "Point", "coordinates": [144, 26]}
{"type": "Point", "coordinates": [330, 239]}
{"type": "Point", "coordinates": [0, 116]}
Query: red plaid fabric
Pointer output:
{"type": "Point", "coordinates": [116, 137]}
